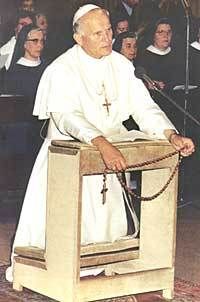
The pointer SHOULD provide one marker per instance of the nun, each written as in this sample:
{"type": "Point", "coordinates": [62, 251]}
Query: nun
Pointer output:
{"type": "Point", "coordinates": [159, 58]}
{"type": "Point", "coordinates": [22, 78]}
{"type": "Point", "coordinates": [26, 68]}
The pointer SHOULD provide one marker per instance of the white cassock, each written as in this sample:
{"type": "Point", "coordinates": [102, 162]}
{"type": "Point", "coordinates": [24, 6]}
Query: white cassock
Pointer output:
{"type": "Point", "coordinates": [75, 87]}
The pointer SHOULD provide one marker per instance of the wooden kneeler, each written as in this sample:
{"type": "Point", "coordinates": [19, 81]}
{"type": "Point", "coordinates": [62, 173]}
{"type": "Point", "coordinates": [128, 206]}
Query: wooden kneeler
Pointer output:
{"type": "Point", "coordinates": [130, 265]}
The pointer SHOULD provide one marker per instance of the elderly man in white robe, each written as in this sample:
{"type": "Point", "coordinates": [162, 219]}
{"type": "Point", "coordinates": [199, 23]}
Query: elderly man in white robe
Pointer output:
{"type": "Point", "coordinates": [87, 93]}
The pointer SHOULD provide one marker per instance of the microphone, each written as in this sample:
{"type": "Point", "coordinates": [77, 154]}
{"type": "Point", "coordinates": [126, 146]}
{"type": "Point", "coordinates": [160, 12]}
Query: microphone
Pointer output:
{"type": "Point", "coordinates": [140, 73]}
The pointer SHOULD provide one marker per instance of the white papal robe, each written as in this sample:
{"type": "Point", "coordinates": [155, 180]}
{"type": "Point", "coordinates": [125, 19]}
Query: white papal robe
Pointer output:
{"type": "Point", "coordinates": [74, 87]}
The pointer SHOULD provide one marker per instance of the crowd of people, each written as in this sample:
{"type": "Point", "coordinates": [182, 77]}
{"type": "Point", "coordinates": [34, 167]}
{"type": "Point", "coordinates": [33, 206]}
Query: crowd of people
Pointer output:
{"type": "Point", "coordinates": [88, 92]}
{"type": "Point", "coordinates": [144, 21]}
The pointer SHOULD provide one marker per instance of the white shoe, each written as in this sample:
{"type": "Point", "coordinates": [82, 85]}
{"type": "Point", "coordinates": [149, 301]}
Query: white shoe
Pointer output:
{"type": "Point", "coordinates": [9, 274]}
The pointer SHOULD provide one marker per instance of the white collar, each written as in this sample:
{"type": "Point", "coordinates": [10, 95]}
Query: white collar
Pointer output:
{"type": "Point", "coordinates": [26, 62]}
{"type": "Point", "coordinates": [196, 45]}
{"type": "Point", "coordinates": [159, 51]}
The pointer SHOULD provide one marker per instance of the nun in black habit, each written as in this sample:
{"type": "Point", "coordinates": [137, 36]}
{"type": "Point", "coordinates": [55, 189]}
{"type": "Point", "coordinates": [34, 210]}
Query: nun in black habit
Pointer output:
{"type": "Point", "coordinates": [162, 64]}
{"type": "Point", "coordinates": [22, 78]}
{"type": "Point", "coordinates": [26, 68]}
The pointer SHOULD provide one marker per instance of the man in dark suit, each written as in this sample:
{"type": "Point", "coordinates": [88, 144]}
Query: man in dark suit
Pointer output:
{"type": "Point", "coordinates": [127, 8]}
{"type": "Point", "coordinates": [139, 13]}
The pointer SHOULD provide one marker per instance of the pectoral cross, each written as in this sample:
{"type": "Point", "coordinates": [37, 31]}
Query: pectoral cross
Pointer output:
{"type": "Point", "coordinates": [107, 106]}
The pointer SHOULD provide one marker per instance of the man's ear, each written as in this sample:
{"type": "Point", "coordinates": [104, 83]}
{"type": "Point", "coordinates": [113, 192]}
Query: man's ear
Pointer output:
{"type": "Point", "coordinates": [78, 38]}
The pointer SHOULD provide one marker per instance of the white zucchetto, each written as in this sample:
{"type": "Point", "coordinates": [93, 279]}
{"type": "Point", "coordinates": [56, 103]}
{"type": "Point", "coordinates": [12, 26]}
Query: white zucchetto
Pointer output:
{"type": "Point", "coordinates": [82, 11]}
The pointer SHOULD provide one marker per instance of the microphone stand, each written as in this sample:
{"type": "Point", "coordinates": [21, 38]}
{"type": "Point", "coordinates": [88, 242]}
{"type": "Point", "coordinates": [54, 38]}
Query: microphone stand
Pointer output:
{"type": "Point", "coordinates": [186, 94]}
{"type": "Point", "coordinates": [186, 113]}
{"type": "Point", "coordinates": [186, 66]}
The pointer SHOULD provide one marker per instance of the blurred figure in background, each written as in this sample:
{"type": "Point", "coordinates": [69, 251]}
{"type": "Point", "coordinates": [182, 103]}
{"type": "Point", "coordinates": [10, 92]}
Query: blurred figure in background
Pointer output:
{"type": "Point", "coordinates": [126, 44]}
{"type": "Point", "coordinates": [140, 14]}
{"type": "Point", "coordinates": [42, 22]}
{"type": "Point", "coordinates": [120, 24]}
{"type": "Point", "coordinates": [54, 42]}
{"type": "Point", "coordinates": [176, 10]}
{"type": "Point", "coordinates": [159, 59]}
{"type": "Point", "coordinates": [23, 18]}
{"type": "Point", "coordinates": [27, 5]}
{"type": "Point", "coordinates": [162, 64]}
{"type": "Point", "coordinates": [26, 66]}
{"type": "Point", "coordinates": [128, 9]}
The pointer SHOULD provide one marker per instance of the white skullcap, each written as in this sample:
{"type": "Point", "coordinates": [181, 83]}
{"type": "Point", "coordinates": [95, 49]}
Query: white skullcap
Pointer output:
{"type": "Point", "coordinates": [83, 10]}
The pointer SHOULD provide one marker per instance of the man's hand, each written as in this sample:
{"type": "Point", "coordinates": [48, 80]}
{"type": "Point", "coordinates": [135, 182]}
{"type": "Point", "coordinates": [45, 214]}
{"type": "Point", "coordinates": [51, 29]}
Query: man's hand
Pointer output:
{"type": "Point", "coordinates": [183, 144]}
{"type": "Point", "coordinates": [158, 84]}
{"type": "Point", "coordinates": [161, 85]}
{"type": "Point", "coordinates": [112, 157]}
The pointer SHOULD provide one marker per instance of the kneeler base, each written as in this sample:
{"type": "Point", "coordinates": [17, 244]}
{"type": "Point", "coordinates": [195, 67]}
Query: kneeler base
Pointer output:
{"type": "Point", "coordinates": [129, 267]}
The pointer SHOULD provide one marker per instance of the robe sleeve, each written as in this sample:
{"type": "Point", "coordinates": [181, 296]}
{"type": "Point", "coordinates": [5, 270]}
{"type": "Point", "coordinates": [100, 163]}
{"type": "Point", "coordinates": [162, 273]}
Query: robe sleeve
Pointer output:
{"type": "Point", "coordinates": [76, 125]}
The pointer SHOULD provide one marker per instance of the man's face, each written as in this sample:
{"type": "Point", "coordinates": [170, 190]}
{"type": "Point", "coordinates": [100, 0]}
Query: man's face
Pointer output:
{"type": "Point", "coordinates": [34, 45]}
{"type": "Point", "coordinates": [41, 22]}
{"type": "Point", "coordinates": [129, 48]}
{"type": "Point", "coordinates": [21, 23]}
{"type": "Point", "coordinates": [121, 27]}
{"type": "Point", "coordinates": [131, 3]}
{"type": "Point", "coordinates": [163, 36]}
{"type": "Point", "coordinates": [27, 5]}
{"type": "Point", "coordinates": [96, 34]}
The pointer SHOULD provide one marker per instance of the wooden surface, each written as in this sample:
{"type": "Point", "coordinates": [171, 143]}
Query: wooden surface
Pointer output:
{"type": "Point", "coordinates": [91, 254]}
{"type": "Point", "coordinates": [153, 268]}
